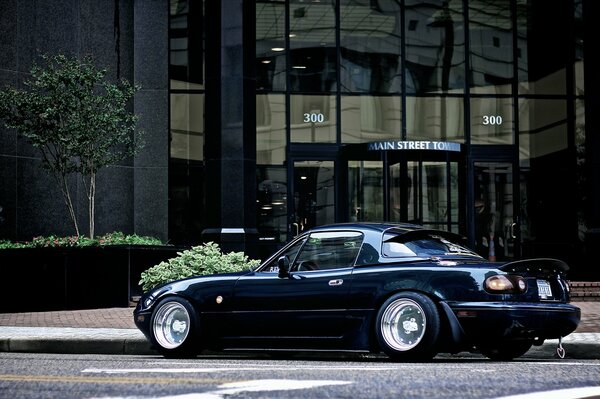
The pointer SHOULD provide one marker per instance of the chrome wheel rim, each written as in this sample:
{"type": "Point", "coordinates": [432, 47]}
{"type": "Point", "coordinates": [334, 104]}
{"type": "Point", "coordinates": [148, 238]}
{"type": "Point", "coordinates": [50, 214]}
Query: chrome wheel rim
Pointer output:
{"type": "Point", "coordinates": [403, 324]}
{"type": "Point", "coordinates": [171, 325]}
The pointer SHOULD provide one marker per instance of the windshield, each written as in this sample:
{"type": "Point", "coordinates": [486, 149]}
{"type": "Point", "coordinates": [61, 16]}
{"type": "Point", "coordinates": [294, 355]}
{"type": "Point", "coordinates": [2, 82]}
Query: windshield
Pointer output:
{"type": "Point", "coordinates": [427, 244]}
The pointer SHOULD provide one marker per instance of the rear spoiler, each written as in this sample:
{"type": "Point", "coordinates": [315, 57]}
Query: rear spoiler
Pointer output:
{"type": "Point", "coordinates": [547, 265]}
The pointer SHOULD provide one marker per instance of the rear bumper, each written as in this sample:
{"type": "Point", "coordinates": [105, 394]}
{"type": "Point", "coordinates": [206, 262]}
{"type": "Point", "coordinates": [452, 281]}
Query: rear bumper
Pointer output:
{"type": "Point", "coordinates": [502, 320]}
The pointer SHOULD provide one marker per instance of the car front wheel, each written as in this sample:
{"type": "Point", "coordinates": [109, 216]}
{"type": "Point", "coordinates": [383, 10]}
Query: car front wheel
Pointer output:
{"type": "Point", "coordinates": [408, 327]}
{"type": "Point", "coordinates": [173, 328]}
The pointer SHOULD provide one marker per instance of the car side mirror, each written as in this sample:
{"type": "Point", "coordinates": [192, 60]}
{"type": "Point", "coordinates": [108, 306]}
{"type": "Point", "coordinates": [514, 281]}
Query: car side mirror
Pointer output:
{"type": "Point", "coordinates": [284, 266]}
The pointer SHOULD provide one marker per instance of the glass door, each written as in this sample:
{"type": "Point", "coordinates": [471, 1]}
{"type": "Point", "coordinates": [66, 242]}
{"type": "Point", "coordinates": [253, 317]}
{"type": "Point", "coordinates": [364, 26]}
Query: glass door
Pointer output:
{"type": "Point", "coordinates": [425, 193]}
{"type": "Point", "coordinates": [313, 195]}
{"type": "Point", "coordinates": [404, 189]}
{"type": "Point", "coordinates": [366, 196]}
{"type": "Point", "coordinates": [495, 215]}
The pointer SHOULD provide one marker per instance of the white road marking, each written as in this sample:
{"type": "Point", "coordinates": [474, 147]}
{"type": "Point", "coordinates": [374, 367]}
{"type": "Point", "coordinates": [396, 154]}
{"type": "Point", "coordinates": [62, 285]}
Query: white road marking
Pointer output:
{"type": "Point", "coordinates": [220, 367]}
{"type": "Point", "coordinates": [233, 388]}
{"type": "Point", "coordinates": [168, 370]}
{"type": "Point", "coordinates": [571, 393]}
{"type": "Point", "coordinates": [565, 363]}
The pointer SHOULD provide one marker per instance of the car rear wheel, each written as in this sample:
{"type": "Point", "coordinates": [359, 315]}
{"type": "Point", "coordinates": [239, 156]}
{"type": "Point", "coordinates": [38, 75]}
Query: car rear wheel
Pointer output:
{"type": "Point", "coordinates": [408, 327]}
{"type": "Point", "coordinates": [506, 350]}
{"type": "Point", "coordinates": [173, 328]}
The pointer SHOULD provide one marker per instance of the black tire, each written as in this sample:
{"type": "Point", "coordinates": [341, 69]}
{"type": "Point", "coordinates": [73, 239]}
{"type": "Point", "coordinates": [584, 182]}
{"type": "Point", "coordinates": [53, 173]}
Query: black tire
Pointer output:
{"type": "Point", "coordinates": [408, 327]}
{"type": "Point", "coordinates": [174, 328]}
{"type": "Point", "coordinates": [505, 350]}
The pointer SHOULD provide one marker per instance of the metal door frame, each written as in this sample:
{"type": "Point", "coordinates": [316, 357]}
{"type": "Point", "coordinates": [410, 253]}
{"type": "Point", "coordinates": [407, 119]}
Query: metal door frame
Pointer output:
{"type": "Point", "coordinates": [489, 154]}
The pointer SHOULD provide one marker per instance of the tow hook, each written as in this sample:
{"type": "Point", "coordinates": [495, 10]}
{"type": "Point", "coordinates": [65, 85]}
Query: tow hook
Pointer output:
{"type": "Point", "coordinates": [560, 351]}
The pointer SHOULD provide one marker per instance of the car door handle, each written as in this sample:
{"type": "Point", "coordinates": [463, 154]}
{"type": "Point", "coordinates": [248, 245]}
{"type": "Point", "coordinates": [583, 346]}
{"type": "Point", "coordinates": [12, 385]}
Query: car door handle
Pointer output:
{"type": "Point", "coordinates": [337, 282]}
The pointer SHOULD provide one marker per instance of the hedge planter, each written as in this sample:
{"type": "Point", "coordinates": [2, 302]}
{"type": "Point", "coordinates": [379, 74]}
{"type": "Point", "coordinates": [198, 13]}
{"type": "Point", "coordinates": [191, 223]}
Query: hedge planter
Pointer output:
{"type": "Point", "coordinates": [43, 279]}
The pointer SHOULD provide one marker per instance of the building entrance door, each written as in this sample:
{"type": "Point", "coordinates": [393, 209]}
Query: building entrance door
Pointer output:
{"type": "Point", "coordinates": [496, 228]}
{"type": "Point", "coordinates": [420, 187]}
{"type": "Point", "coordinates": [313, 191]}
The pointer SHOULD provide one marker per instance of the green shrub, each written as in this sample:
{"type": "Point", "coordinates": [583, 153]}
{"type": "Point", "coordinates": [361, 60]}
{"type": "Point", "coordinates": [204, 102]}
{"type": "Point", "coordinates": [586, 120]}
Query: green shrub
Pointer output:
{"type": "Point", "coordinates": [201, 260]}
{"type": "Point", "coordinates": [5, 244]}
{"type": "Point", "coordinates": [116, 238]}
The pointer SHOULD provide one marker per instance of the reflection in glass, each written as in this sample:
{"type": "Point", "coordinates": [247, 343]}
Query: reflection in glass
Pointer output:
{"type": "Point", "coordinates": [365, 191]}
{"type": "Point", "coordinates": [492, 120]}
{"type": "Point", "coordinates": [271, 212]}
{"type": "Point", "coordinates": [419, 193]}
{"type": "Point", "coordinates": [313, 54]}
{"type": "Point", "coordinates": [491, 46]}
{"type": "Point", "coordinates": [542, 128]}
{"type": "Point", "coordinates": [547, 166]}
{"type": "Point", "coordinates": [271, 203]}
{"type": "Point", "coordinates": [186, 168]}
{"type": "Point", "coordinates": [578, 32]}
{"type": "Point", "coordinates": [435, 46]}
{"type": "Point", "coordinates": [270, 129]}
{"type": "Point", "coordinates": [313, 119]}
{"type": "Point", "coordinates": [270, 45]}
{"type": "Point", "coordinates": [584, 219]}
{"type": "Point", "coordinates": [187, 126]}
{"type": "Point", "coordinates": [404, 193]}
{"type": "Point", "coordinates": [314, 194]}
{"type": "Point", "coordinates": [434, 193]}
{"type": "Point", "coordinates": [543, 49]}
{"type": "Point", "coordinates": [370, 46]}
{"type": "Point", "coordinates": [493, 184]}
{"type": "Point", "coordinates": [186, 47]}
{"type": "Point", "coordinates": [435, 118]}
{"type": "Point", "coordinates": [370, 118]}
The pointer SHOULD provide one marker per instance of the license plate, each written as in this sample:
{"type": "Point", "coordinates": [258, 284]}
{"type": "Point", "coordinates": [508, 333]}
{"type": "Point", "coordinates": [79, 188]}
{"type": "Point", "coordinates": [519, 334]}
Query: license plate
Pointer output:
{"type": "Point", "coordinates": [544, 289]}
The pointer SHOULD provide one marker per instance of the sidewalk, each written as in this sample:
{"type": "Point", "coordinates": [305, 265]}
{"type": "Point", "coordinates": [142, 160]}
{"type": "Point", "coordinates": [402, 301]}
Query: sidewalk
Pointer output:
{"type": "Point", "coordinates": [112, 331]}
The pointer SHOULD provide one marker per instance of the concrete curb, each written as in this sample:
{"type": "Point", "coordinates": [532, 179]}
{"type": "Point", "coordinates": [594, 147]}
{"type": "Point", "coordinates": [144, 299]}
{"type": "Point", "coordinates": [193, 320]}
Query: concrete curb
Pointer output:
{"type": "Point", "coordinates": [583, 346]}
{"type": "Point", "coordinates": [77, 346]}
{"type": "Point", "coordinates": [74, 340]}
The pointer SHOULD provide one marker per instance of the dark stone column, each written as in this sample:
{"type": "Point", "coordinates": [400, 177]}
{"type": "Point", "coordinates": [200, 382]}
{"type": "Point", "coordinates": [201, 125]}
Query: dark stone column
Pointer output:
{"type": "Point", "coordinates": [151, 60]}
{"type": "Point", "coordinates": [591, 9]}
{"type": "Point", "coordinates": [230, 146]}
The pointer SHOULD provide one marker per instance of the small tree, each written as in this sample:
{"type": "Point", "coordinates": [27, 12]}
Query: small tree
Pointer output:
{"type": "Point", "coordinates": [78, 121]}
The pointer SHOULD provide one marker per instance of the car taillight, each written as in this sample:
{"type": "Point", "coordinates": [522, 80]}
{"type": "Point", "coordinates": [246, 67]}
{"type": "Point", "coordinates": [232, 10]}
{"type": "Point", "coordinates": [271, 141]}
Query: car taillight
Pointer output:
{"type": "Point", "coordinates": [505, 284]}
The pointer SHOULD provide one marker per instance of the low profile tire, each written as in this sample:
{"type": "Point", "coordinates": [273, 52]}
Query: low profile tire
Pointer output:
{"type": "Point", "coordinates": [408, 326]}
{"type": "Point", "coordinates": [174, 328]}
{"type": "Point", "coordinates": [507, 350]}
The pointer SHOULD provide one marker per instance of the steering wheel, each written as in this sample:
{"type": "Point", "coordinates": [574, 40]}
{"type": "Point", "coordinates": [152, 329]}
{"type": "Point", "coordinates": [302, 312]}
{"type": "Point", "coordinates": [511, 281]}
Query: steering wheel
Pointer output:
{"type": "Point", "coordinates": [306, 265]}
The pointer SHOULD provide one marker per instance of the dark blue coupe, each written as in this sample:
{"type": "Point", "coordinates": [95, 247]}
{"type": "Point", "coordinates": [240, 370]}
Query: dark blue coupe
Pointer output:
{"type": "Point", "coordinates": [401, 289]}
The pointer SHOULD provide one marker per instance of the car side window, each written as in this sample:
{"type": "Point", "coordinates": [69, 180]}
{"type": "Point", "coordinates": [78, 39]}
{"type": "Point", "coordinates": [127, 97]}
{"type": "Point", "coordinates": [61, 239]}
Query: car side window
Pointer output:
{"type": "Point", "coordinates": [291, 253]}
{"type": "Point", "coordinates": [328, 250]}
{"type": "Point", "coordinates": [396, 250]}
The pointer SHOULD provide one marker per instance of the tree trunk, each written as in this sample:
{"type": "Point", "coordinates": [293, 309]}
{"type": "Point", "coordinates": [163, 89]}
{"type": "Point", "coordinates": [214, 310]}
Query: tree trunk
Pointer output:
{"type": "Point", "coordinates": [64, 188]}
{"type": "Point", "coordinates": [91, 194]}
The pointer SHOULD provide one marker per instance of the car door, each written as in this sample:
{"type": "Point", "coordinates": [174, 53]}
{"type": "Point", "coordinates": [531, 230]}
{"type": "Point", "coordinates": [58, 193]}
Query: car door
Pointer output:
{"type": "Point", "coordinates": [309, 301]}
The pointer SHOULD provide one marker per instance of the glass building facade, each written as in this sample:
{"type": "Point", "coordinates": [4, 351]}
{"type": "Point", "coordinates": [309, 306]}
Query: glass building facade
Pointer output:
{"type": "Point", "coordinates": [462, 115]}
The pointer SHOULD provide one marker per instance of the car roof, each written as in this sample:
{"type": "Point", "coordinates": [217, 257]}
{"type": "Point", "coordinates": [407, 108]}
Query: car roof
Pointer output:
{"type": "Point", "coordinates": [408, 231]}
{"type": "Point", "coordinates": [377, 227]}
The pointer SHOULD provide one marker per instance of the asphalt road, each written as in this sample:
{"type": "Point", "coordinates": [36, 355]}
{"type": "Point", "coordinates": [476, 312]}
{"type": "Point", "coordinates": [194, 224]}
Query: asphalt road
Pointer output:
{"type": "Point", "coordinates": [102, 376]}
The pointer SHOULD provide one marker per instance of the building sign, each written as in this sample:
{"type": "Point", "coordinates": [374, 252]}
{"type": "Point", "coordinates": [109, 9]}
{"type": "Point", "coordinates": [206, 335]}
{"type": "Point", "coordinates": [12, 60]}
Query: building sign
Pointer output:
{"type": "Point", "coordinates": [414, 145]}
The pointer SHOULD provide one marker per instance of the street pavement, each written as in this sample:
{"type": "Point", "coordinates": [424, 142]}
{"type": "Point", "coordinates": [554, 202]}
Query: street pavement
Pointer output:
{"type": "Point", "coordinates": [112, 331]}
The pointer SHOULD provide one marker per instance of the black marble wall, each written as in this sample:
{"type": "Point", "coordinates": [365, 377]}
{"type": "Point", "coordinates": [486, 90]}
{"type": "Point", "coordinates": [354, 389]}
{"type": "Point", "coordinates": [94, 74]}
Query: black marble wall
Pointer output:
{"type": "Point", "coordinates": [130, 39]}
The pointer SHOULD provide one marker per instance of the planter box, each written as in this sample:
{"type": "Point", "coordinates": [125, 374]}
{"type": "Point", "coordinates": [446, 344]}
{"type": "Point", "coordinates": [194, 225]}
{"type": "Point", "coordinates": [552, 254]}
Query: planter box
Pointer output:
{"type": "Point", "coordinates": [43, 279]}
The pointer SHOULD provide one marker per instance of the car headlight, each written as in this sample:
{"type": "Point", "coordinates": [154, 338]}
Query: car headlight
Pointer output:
{"type": "Point", "coordinates": [504, 284]}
